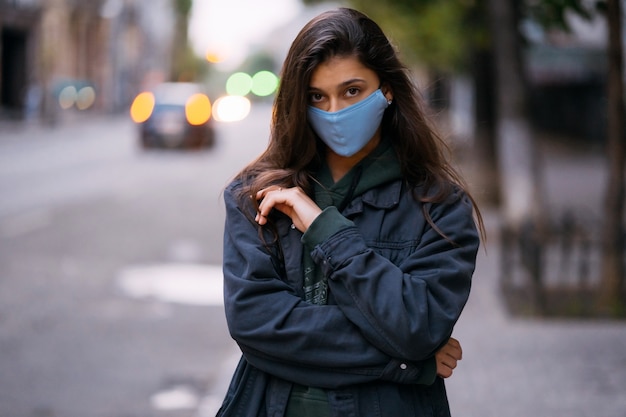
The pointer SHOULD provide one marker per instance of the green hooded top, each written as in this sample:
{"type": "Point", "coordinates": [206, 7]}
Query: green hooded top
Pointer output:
{"type": "Point", "coordinates": [377, 168]}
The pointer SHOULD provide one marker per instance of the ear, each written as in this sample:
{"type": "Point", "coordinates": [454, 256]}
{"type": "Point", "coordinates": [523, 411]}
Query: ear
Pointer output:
{"type": "Point", "coordinates": [387, 92]}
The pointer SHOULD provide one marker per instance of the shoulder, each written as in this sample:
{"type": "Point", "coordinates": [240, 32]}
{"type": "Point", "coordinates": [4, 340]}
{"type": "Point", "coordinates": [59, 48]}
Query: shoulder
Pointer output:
{"type": "Point", "coordinates": [236, 197]}
{"type": "Point", "coordinates": [441, 192]}
{"type": "Point", "coordinates": [234, 187]}
{"type": "Point", "coordinates": [446, 203]}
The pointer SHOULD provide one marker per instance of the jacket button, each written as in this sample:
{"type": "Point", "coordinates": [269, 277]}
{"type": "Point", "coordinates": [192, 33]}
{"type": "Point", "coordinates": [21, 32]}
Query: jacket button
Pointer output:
{"type": "Point", "coordinates": [403, 366]}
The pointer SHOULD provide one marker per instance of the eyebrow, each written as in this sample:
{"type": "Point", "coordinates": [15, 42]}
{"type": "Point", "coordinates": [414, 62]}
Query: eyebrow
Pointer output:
{"type": "Point", "coordinates": [342, 84]}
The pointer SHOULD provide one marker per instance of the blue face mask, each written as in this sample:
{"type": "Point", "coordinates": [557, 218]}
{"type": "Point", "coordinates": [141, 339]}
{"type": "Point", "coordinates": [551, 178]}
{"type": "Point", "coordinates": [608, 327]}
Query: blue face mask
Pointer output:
{"type": "Point", "coordinates": [348, 130]}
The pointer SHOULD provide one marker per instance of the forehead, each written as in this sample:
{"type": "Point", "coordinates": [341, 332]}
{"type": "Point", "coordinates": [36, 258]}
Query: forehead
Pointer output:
{"type": "Point", "coordinates": [337, 70]}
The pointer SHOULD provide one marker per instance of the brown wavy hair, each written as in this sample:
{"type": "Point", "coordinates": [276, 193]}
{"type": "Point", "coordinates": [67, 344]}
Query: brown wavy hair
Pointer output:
{"type": "Point", "coordinates": [294, 151]}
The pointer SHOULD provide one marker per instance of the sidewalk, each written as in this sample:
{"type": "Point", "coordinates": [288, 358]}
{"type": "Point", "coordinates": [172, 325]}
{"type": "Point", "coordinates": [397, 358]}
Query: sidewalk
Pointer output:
{"type": "Point", "coordinates": [523, 367]}
{"type": "Point", "coordinates": [514, 367]}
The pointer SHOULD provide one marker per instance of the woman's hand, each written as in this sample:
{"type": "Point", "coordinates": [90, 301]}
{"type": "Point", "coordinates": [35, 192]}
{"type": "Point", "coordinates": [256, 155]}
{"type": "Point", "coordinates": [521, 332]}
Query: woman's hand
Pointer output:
{"type": "Point", "coordinates": [447, 357]}
{"type": "Point", "coordinates": [291, 201]}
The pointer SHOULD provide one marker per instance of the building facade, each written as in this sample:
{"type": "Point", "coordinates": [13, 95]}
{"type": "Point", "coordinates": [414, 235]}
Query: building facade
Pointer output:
{"type": "Point", "coordinates": [61, 56]}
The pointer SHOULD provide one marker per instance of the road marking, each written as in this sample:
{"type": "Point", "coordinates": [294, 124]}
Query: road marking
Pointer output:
{"type": "Point", "coordinates": [180, 397]}
{"type": "Point", "coordinates": [182, 283]}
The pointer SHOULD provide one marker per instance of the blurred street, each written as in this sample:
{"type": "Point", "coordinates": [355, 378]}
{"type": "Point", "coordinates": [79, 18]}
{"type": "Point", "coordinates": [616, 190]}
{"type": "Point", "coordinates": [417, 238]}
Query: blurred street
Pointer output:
{"type": "Point", "coordinates": [83, 333]}
{"type": "Point", "coordinates": [110, 268]}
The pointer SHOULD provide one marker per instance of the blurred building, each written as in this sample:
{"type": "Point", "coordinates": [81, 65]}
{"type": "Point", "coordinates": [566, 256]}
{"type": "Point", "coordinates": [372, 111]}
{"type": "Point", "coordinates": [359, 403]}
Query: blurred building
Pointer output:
{"type": "Point", "coordinates": [567, 74]}
{"type": "Point", "coordinates": [66, 56]}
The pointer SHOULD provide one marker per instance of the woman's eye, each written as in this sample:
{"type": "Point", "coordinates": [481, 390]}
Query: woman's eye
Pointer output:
{"type": "Point", "coordinates": [352, 91]}
{"type": "Point", "coordinates": [315, 97]}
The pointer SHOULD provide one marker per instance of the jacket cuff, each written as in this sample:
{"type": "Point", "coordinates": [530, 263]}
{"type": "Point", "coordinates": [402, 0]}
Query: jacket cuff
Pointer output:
{"type": "Point", "coordinates": [329, 222]}
{"type": "Point", "coordinates": [429, 372]}
{"type": "Point", "coordinates": [401, 372]}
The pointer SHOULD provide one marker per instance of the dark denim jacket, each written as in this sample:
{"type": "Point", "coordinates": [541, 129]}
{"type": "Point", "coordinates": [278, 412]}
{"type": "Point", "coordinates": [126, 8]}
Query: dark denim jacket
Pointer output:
{"type": "Point", "coordinates": [397, 287]}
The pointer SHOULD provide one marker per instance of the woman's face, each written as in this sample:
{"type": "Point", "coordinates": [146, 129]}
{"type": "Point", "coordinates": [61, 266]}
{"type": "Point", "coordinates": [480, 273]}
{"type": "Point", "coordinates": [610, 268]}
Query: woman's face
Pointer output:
{"type": "Point", "coordinates": [340, 82]}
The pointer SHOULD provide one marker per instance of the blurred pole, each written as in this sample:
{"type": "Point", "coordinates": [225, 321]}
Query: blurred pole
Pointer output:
{"type": "Point", "coordinates": [514, 136]}
{"type": "Point", "coordinates": [521, 200]}
{"type": "Point", "coordinates": [486, 175]}
{"type": "Point", "coordinates": [611, 297]}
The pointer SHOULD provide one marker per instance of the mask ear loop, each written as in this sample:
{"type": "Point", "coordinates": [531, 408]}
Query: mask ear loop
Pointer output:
{"type": "Point", "coordinates": [389, 100]}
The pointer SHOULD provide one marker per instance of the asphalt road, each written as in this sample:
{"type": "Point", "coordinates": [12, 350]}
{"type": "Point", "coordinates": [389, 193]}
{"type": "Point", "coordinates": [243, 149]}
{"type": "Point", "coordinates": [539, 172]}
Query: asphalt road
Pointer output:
{"type": "Point", "coordinates": [110, 281]}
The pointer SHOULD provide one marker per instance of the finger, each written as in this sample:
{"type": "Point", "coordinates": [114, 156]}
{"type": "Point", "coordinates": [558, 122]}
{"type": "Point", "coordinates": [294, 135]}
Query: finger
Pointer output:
{"type": "Point", "coordinates": [268, 192]}
{"type": "Point", "coordinates": [456, 353]}
{"type": "Point", "coordinates": [271, 198]}
{"type": "Point", "coordinates": [265, 208]}
{"type": "Point", "coordinates": [448, 360]}
{"type": "Point", "coordinates": [454, 342]}
{"type": "Point", "coordinates": [444, 371]}
{"type": "Point", "coordinates": [453, 347]}
{"type": "Point", "coordinates": [262, 193]}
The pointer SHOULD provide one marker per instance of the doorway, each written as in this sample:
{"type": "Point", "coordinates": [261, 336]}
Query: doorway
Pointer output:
{"type": "Point", "coordinates": [13, 83]}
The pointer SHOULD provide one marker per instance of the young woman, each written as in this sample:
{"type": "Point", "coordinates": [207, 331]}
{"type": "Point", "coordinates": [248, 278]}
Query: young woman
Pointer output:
{"type": "Point", "coordinates": [350, 243]}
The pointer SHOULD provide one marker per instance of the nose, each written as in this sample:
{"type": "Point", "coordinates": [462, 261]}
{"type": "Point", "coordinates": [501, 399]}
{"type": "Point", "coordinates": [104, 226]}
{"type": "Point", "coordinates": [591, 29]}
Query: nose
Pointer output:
{"type": "Point", "coordinates": [333, 104]}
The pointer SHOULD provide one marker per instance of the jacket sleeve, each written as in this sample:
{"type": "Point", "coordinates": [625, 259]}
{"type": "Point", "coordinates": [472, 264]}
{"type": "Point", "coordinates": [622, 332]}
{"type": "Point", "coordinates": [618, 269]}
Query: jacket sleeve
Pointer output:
{"type": "Point", "coordinates": [287, 337]}
{"type": "Point", "coordinates": [407, 310]}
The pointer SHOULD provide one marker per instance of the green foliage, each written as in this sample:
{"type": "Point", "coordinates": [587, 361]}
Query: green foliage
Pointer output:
{"type": "Point", "coordinates": [442, 34]}
{"type": "Point", "coordinates": [552, 13]}
{"type": "Point", "coordinates": [187, 66]}
{"type": "Point", "coordinates": [259, 61]}
{"type": "Point", "coordinates": [182, 7]}
{"type": "Point", "coordinates": [437, 33]}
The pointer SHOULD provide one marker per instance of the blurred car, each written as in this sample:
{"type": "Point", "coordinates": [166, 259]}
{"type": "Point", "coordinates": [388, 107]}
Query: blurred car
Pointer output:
{"type": "Point", "coordinates": [174, 115]}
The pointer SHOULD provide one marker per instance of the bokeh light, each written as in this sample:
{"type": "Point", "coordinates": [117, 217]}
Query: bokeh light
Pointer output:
{"type": "Point", "coordinates": [231, 108]}
{"type": "Point", "coordinates": [142, 107]}
{"type": "Point", "coordinates": [67, 97]}
{"type": "Point", "coordinates": [264, 83]}
{"type": "Point", "coordinates": [214, 57]}
{"type": "Point", "coordinates": [85, 98]}
{"type": "Point", "coordinates": [198, 109]}
{"type": "Point", "coordinates": [239, 84]}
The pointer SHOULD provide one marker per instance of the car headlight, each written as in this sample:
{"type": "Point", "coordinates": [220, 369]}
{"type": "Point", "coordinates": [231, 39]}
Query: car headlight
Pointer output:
{"type": "Point", "coordinates": [198, 109]}
{"type": "Point", "coordinates": [142, 107]}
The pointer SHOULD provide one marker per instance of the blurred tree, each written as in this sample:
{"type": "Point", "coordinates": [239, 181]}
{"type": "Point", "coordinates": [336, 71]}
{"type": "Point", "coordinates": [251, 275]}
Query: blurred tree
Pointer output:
{"type": "Point", "coordinates": [432, 33]}
{"type": "Point", "coordinates": [611, 299]}
{"type": "Point", "coordinates": [258, 61]}
{"type": "Point", "coordinates": [186, 65]}
{"type": "Point", "coordinates": [552, 13]}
